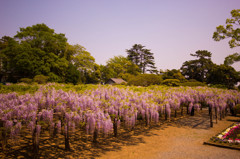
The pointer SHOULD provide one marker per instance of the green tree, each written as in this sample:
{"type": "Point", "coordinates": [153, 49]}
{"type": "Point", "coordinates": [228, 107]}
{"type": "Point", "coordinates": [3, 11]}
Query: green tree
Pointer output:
{"type": "Point", "coordinates": [106, 73]}
{"type": "Point", "coordinates": [82, 59]}
{"type": "Point", "coordinates": [232, 31]}
{"type": "Point", "coordinates": [173, 74]}
{"type": "Point", "coordinates": [72, 75]}
{"type": "Point", "coordinates": [199, 68]}
{"type": "Point", "coordinates": [92, 76]}
{"type": "Point", "coordinates": [42, 37]}
{"type": "Point", "coordinates": [230, 59]}
{"type": "Point", "coordinates": [38, 50]}
{"type": "Point", "coordinates": [142, 57]}
{"type": "Point", "coordinates": [118, 67]}
{"type": "Point", "coordinates": [85, 64]}
{"type": "Point", "coordinates": [171, 82]}
{"type": "Point", "coordinates": [8, 51]}
{"type": "Point", "coordinates": [224, 75]}
{"type": "Point", "coordinates": [35, 50]}
{"type": "Point", "coordinates": [121, 65]}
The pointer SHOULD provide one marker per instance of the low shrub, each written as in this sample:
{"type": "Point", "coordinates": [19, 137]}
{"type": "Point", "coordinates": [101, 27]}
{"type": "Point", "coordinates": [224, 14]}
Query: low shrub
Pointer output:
{"type": "Point", "coordinates": [192, 80]}
{"type": "Point", "coordinates": [171, 82]}
{"type": "Point", "coordinates": [193, 84]}
{"type": "Point", "coordinates": [40, 79]}
{"type": "Point", "coordinates": [26, 80]}
{"type": "Point", "coordinates": [145, 80]}
{"type": "Point", "coordinates": [218, 86]}
{"type": "Point", "coordinates": [19, 88]}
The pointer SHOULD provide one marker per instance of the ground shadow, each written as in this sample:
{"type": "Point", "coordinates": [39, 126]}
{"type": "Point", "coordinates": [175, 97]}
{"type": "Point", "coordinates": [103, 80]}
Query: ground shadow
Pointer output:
{"type": "Point", "coordinates": [200, 120]}
{"type": "Point", "coordinates": [83, 147]}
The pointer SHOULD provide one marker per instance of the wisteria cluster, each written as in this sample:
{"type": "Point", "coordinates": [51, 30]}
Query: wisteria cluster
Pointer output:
{"type": "Point", "coordinates": [102, 110]}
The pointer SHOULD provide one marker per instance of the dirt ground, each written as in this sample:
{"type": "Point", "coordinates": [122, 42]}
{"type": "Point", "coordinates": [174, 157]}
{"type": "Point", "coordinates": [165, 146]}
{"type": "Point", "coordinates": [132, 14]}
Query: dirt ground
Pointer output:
{"type": "Point", "coordinates": [182, 139]}
{"type": "Point", "coordinates": [178, 139]}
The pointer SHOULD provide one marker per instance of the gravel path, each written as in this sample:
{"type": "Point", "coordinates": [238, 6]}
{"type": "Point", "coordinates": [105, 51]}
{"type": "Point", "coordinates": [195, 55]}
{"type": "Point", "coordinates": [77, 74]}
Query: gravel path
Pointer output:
{"type": "Point", "coordinates": [182, 139]}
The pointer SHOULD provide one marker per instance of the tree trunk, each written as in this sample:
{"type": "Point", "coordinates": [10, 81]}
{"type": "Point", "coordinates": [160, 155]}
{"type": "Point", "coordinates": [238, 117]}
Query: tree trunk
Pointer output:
{"type": "Point", "coordinates": [216, 115]}
{"type": "Point", "coordinates": [175, 113]}
{"type": "Point", "coordinates": [211, 117]}
{"type": "Point", "coordinates": [35, 143]}
{"type": "Point", "coordinates": [115, 128]}
{"type": "Point", "coordinates": [67, 143]}
{"type": "Point", "coordinates": [54, 131]}
{"type": "Point", "coordinates": [3, 135]}
{"type": "Point", "coordinates": [221, 114]}
{"type": "Point", "coordinates": [160, 114]}
{"type": "Point", "coordinates": [226, 111]}
{"type": "Point", "coordinates": [165, 112]}
{"type": "Point", "coordinates": [54, 134]}
{"type": "Point", "coordinates": [146, 120]}
{"type": "Point", "coordinates": [95, 136]}
{"type": "Point", "coordinates": [182, 110]}
{"type": "Point", "coordinates": [192, 111]}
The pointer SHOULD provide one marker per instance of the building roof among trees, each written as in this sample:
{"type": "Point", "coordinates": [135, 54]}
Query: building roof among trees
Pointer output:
{"type": "Point", "coordinates": [116, 80]}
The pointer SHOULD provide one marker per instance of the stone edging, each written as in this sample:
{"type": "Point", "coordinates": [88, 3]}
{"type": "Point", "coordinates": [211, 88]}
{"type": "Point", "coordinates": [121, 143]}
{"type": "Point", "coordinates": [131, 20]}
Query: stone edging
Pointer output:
{"type": "Point", "coordinates": [223, 146]}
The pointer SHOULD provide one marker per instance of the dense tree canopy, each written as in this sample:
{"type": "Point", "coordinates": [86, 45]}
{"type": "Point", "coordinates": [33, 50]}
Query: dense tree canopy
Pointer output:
{"type": "Point", "coordinates": [199, 68]}
{"type": "Point", "coordinates": [204, 70]}
{"type": "Point", "coordinates": [36, 53]}
{"type": "Point", "coordinates": [81, 58]}
{"type": "Point", "coordinates": [33, 51]}
{"type": "Point", "coordinates": [42, 37]}
{"type": "Point", "coordinates": [121, 64]}
{"type": "Point", "coordinates": [224, 75]}
{"type": "Point", "coordinates": [8, 47]}
{"type": "Point", "coordinates": [118, 67]}
{"type": "Point", "coordinates": [38, 50]}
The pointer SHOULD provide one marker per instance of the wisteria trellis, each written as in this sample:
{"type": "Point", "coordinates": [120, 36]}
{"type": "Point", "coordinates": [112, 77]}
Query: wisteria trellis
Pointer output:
{"type": "Point", "coordinates": [102, 110]}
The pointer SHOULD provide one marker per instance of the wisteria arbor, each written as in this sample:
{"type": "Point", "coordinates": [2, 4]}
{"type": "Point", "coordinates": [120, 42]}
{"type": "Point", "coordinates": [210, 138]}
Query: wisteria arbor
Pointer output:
{"type": "Point", "coordinates": [102, 111]}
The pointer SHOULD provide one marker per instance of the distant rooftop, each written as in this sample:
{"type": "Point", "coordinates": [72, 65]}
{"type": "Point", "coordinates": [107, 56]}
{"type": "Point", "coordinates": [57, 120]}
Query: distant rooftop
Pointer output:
{"type": "Point", "coordinates": [115, 80]}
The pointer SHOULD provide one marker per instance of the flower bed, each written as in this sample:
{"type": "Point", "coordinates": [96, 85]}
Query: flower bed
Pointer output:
{"type": "Point", "coordinates": [231, 134]}
{"type": "Point", "coordinates": [229, 138]}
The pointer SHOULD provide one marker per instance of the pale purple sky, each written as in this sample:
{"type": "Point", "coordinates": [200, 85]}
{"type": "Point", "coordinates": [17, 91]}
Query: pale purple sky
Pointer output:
{"type": "Point", "coordinates": [172, 29]}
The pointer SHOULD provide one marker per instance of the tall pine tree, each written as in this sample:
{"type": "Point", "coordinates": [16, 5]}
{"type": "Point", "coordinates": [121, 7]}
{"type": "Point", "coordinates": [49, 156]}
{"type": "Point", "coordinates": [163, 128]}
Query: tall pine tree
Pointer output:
{"type": "Point", "coordinates": [142, 57]}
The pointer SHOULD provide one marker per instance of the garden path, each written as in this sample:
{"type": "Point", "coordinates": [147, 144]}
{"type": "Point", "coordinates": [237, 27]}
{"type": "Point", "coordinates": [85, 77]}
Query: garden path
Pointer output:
{"type": "Point", "coordinates": [180, 139]}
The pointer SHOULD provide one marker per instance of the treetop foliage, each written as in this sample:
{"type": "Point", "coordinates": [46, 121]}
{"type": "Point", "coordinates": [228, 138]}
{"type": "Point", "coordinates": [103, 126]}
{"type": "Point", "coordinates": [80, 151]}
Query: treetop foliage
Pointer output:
{"type": "Point", "coordinates": [198, 69]}
{"type": "Point", "coordinates": [38, 54]}
{"type": "Point", "coordinates": [230, 59]}
{"type": "Point", "coordinates": [142, 57]}
{"type": "Point", "coordinates": [231, 30]}
{"type": "Point", "coordinates": [38, 50]}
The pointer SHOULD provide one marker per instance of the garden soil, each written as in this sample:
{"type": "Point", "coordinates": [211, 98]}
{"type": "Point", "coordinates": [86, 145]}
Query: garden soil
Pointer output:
{"type": "Point", "coordinates": [180, 139]}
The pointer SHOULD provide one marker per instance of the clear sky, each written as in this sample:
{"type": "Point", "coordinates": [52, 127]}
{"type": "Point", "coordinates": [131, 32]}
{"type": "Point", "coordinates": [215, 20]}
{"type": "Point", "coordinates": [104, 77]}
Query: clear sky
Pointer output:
{"type": "Point", "coordinates": [171, 29]}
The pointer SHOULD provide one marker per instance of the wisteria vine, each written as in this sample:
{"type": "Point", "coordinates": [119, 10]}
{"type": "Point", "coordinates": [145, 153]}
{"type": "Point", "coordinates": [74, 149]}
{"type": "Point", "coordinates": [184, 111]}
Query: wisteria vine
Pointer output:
{"type": "Point", "coordinates": [103, 110]}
